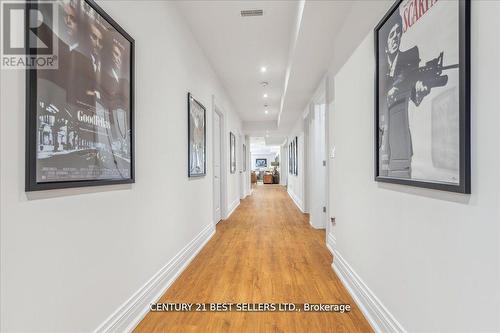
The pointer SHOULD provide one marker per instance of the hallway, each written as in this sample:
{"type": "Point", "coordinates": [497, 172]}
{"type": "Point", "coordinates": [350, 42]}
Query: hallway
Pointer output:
{"type": "Point", "coordinates": [249, 166]}
{"type": "Point", "coordinates": [265, 252]}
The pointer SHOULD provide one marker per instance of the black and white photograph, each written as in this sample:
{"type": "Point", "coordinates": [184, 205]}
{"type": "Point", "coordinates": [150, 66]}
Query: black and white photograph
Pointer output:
{"type": "Point", "coordinates": [232, 152]}
{"type": "Point", "coordinates": [196, 137]}
{"type": "Point", "coordinates": [261, 162]}
{"type": "Point", "coordinates": [422, 95]}
{"type": "Point", "coordinates": [296, 156]}
{"type": "Point", "coordinates": [80, 115]}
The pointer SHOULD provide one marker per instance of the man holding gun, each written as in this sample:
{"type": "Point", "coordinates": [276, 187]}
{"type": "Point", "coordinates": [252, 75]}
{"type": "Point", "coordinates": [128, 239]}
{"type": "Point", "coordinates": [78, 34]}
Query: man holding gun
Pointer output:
{"type": "Point", "coordinates": [404, 81]}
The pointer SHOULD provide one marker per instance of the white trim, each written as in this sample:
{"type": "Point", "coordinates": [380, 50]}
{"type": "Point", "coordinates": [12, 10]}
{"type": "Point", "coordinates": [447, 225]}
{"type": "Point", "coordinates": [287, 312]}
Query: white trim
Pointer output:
{"type": "Point", "coordinates": [328, 114]}
{"type": "Point", "coordinates": [221, 163]}
{"type": "Point", "coordinates": [233, 207]}
{"type": "Point", "coordinates": [295, 200]}
{"type": "Point", "coordinates": [331, 242]}
{"type": "Point", "coordinates": [375, 312]}
{"type": "Point", "coordinates": [316, 226]}
{"type": "Point", "coordinates": [130, 313]}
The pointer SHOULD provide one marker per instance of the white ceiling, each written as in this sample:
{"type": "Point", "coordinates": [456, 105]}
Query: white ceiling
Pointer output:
{"type": "Point", "coordinates": [259, 146]}
{"type": "Point", "coordinates": [239, 46]}
{"type": "Point", "coordinates": [295, 40]}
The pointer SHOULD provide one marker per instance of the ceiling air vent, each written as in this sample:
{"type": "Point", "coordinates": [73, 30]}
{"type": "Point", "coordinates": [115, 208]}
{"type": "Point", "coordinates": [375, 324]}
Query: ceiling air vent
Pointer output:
{"type": "Point", "coordinates": [252, 12]}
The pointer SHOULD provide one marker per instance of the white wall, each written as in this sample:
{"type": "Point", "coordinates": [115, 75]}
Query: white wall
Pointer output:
{"type": "Point", "coordinates": [432, 258]}
{"type": "Point", "coordinates": [232, 123]}
{"type": "Point", "coordinates": [296, 188]}
{"type": "Point", "coordinates": [70, 258]}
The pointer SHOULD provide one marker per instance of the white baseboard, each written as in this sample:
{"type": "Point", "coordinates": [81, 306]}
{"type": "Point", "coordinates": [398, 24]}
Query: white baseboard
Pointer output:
{"type": "Point", "coordinates": [130, 313]}
{"type": "Point", "coordinates": [233, 207]}
{"type": "Point", "coordinates": [312, 224]}
{"type": "Point", "coordinates": [296, 200]}
{"type": "Point", "coordinates": [331, 241]}
{"type": "Point", "coordinates": [375, 312]}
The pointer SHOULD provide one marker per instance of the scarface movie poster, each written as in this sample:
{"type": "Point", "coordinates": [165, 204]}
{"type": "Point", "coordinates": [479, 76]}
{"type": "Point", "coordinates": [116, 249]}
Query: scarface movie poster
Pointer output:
{"type": "Point", "coordinates": [421, 95]}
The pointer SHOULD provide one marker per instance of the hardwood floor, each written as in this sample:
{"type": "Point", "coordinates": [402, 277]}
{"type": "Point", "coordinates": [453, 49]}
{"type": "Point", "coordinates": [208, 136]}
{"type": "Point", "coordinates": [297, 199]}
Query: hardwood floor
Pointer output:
{"type": "Point", "coordinates": [265, 252]}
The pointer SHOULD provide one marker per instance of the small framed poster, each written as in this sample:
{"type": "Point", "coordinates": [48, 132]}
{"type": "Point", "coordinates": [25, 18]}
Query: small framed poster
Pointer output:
{"type": "Point", "coordinates": [422, 95]}
{"type": "Point", "coordinates": [261, 162]}
{"type": "Point", "coordinates": [80, 114]}
{"type": "Point", "coordinates": [232, 152]}
{"type": "Point", "coordinates": [296, 156]}
{"type": "Point", "coordinates": [197, 134]}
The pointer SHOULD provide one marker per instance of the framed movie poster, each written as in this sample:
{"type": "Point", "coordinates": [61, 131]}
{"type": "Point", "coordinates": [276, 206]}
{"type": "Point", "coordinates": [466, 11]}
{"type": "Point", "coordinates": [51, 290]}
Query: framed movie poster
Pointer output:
{"type": "Point", "coordinates": [290, 157]}
{"type": "Point", "coordinates": [197, 134]}
{"type": "Point", "coordinates": [296, 156]}
{"type": "Point", "coordinates": [422, 95]}
{"type": "Point", "coordinates": [232, 152]}
{"type": "Point", "coordinates": [80, 116]}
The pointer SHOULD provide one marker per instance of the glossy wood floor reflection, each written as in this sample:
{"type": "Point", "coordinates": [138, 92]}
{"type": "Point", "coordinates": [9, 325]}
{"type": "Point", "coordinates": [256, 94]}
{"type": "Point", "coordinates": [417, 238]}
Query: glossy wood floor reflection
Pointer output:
{"type": "Point", "coordinates": [265, 252]}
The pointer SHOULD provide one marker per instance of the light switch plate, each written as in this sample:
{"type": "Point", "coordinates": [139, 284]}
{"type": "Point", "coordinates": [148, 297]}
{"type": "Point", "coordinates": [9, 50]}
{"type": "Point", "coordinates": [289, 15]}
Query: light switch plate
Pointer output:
{"type": "Point", "coordinates": [332, 153]}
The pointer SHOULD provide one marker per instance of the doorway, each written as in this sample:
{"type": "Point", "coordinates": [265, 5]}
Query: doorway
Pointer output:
{"type": "Point", "coordinates": [317, 164]}
{"type": "Point", "coordinates": [219, 184]}
{"type": "Point", "coordinates": [240, 143]}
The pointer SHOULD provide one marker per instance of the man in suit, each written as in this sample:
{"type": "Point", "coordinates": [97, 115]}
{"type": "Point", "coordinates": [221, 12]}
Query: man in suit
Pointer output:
{"type": "Point", "coordinates": [398, 86]}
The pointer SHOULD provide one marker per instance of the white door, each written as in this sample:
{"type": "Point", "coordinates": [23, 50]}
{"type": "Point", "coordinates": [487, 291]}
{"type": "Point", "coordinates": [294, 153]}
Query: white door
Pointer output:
{"type": "Point", "coordinates": [318, 168]}
{"type": "Point", "coordinates": [240, 159]}
{"type": "Point", "coordinates": [217, 168]}
{"type": "Point", "coordinates": [322, 188]}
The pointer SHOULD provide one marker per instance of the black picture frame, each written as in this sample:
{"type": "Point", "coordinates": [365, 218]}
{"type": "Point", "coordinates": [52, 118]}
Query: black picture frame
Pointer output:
{"type": "Point", "coordinates": [191, 100]}
{"type": "Point", "coordinates": [232, 153]}
{"type": "Point", "coordinates": [464, 184]}
{"type": "Point", "coordinates": [296, 156]}
{"type": "Point", "coordinates": [31, 183]}
{"type": "Point", "coordinates": [261, 162]}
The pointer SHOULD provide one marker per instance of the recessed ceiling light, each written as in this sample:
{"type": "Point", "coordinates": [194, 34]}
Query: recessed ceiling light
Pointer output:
{"type": "Point", "coordinates": [266, 112]}
{"type": "Point", "coordinates": [265, 95]}
{"type": "Point", "coordinates": [263, 69]}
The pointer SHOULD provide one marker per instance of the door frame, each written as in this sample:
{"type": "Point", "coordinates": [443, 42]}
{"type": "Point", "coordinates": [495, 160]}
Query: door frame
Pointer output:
{"type": "Point", "coordinates": [223, 172]}
{"type": "Point", "coordinates": [331, 240]}
{"type": "Point", "coordinates": [241, 141]}
{"type": "Point", "coordinates": [318, 163]}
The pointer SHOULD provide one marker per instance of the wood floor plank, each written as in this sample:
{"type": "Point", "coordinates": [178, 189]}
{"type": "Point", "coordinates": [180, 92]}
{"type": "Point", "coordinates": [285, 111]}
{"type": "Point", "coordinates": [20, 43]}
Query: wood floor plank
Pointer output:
{"type": "Point", "coordinates": [266, 252]}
